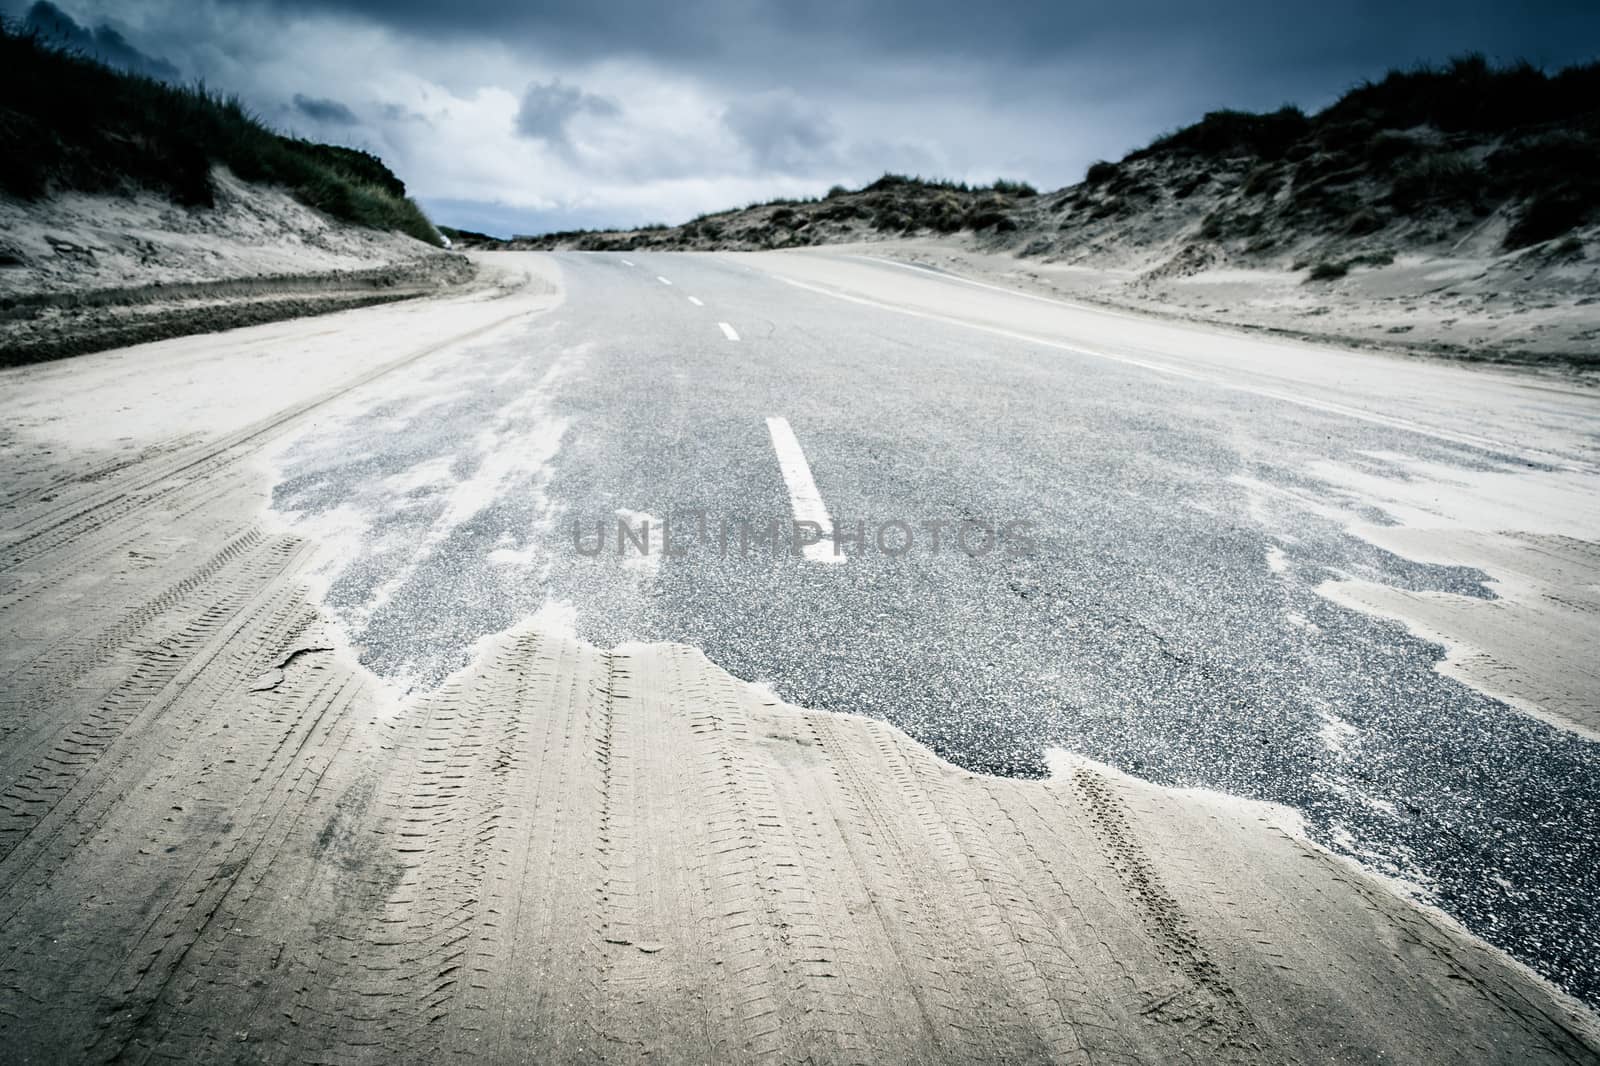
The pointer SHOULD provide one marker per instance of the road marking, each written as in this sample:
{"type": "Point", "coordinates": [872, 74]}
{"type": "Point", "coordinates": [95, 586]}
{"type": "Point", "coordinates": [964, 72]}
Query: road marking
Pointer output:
{"type": "Point", "coordinates": [627, 262]}
{"type": "Point", "coordinates": [696, 301]}
{"type": "Point", "coordinates": [663, 280]}
{"type": "Point", "coordinates": [727, 331]}
{"type": "Point", "coordinates": [1470, 440]}
{"type": "Point", "coordinates": [804, 499]}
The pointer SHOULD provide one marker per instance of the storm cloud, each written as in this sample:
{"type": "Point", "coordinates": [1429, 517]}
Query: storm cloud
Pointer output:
{"type": "Point", "coordinates": [835, 33]}
{"type": "Point", "coordinates": [324, 110]}
{"type": "Point", "coordinates": [782, 131]}
{"type": "Point", "coordinates": [547, 110]}
{"type": "Point", "coordinates": [523, 116]}
{"type": "Point", "coordinates": [102, 42]}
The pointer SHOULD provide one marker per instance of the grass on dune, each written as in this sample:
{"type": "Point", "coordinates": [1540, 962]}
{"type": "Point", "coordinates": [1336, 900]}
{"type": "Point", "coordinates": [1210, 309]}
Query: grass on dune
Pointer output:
{"type": "Point", "coordinates": [69, 123]}
{"type": "Point", "coordinates": [1463, 138]}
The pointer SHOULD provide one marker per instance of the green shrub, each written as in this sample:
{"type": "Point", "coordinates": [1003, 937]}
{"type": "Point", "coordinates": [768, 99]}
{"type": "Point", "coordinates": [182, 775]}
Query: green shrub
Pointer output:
{"type": "Point", "coordinates": [1525, 164]}
{"type": "Point", "coordinates": [1470, 95]}
{"type": "Point", "coordinates": [1388, 147]}
{"type": "Point", "coordinates": [465, 236]}
{"type": "Point", "coordinates": [1349, 138]}
{"type": "Point", "coordinates": [363, 166]}
{"type": "Point", "coordinates": [1099, 173]}
{"type": "Point", "coordinates": [942, 213]}
{"type": "Point", "coordinates": [1548, 216]}
{"type": "Point", "coordinates": [888, 181]}
{"type": "Point", "coordinates": [1020, 189]}
{"type": "Point", "coordinates": [892, 181]}
{"type": "Point", "coordinates": [1329, 270]}
{"type": "Point", "coordinates": [985, 218]}
{"type": "Point", "coordinates": [1450, 179]}
{"type": "Point", "coordinates": [891, 220]}
{"type": "Point", "coordinates": [1224, 132]}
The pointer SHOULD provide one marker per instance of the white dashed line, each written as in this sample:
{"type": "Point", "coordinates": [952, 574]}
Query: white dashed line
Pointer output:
{"type": "Point", "coordinates": [696, 301]}
{"type": "Point", "coordinates": [627, 262]}
{"type": "Point", "coordinates": [804, 498]}
{"type": "Point", "coordinates": [727, 331]}
{"type": "Point", "coordinates": [663, 280]}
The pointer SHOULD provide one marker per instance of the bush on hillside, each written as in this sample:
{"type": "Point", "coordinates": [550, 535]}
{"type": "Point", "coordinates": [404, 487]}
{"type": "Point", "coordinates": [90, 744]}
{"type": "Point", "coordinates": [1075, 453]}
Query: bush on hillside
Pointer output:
{"type": "Point", "coordinates": [1232, 132]}
{"type": "Point", "coordinates": [1441, 179]}
{"type": "Point", "coordinates": [1468, 94]}
{"type": "Point", "coordinates": [1100, 173]}
{"type": "Point", "coordinates": [1020, 189]}
{"type": "Point", "coordinates": [68, 122]}
{"type": "Point", "coordinates": [1549, 216]}
{"type": "Point", "coordinates": [1466, 138]}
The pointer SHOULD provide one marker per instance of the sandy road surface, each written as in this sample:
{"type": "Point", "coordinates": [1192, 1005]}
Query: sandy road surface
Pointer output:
{"type": "Point", "coordinates": [226, 839]}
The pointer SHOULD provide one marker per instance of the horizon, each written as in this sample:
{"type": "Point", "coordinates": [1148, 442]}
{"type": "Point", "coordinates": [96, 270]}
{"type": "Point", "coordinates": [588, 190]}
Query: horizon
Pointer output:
{"type": "Point", "coordinates": [600, 125]}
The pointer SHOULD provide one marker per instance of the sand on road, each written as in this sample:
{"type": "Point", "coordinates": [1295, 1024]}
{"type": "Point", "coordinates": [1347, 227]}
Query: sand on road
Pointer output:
{"type": "Point", "coordinates": [222, 839]}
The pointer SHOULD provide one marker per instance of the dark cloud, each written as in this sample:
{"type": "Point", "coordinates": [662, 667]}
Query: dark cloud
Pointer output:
{"type": "Point", "coordinates": [324, 110]}
{"type": "Point", "coordinates": [778, 38]}
{"type": "Point", "coordinates": [399, 113]}
{"type": "Point", "coordinates": [102, 42]}
{"type": "Point", "coordinates": [547, 110]}
{"type": "Point", "coordinates": [782, 131]}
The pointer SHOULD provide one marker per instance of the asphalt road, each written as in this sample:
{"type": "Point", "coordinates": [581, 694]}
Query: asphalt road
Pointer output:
{"type": "Point", "coordinates": [1153, 604]}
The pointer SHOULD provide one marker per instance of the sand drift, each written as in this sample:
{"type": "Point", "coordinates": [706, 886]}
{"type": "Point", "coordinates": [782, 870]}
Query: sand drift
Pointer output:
{"type": "Point", "coordinates": [224, 837]}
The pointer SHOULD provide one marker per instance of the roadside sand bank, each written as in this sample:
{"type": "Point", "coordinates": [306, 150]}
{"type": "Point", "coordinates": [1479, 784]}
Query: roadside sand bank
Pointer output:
{"type": "Point", "coordinates": [82, 273]}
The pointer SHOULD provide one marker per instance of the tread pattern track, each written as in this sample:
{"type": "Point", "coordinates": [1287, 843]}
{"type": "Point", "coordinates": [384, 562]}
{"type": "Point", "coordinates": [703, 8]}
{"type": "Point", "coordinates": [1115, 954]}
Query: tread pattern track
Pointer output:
{"type": "Point", "coordinates": [569, 855]}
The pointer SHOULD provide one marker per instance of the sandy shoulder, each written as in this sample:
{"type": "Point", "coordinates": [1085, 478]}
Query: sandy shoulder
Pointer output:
{"type": "Point", "coordinates": [1476, 309]}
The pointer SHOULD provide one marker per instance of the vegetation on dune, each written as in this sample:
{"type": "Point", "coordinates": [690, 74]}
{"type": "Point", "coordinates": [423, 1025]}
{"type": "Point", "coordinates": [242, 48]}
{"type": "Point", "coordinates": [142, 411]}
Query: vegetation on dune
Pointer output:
{"type": "Point", "coordinates": [465, 236]}
{"type": "Point", "coordinates": [1460, 141]}
{"type": "Point", "coordinates": [1417, 159]}
{"type": "Point", "coordinates": [1221, 132]}
{"type": "Point", "coordinates": [69, 123]}
{"type": "Point", "coordinates": [893, 203]}
{"type": "Point", "coordinates": [1469, 94]}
